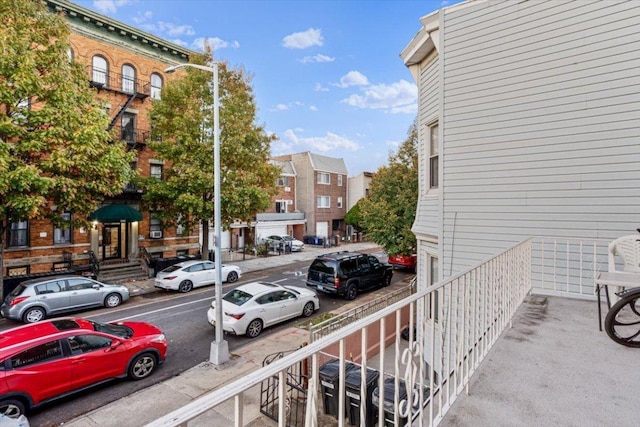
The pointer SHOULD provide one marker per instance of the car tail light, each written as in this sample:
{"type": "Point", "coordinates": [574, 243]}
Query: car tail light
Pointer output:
{"type": "Point", "coordinates": [170, 277]}
{"type": "Point", "coordinates": [237, 316]}
{"type": "Point", "coordinates": [336, 281]}
{"type": "Point", "coordinates": [17, 301]}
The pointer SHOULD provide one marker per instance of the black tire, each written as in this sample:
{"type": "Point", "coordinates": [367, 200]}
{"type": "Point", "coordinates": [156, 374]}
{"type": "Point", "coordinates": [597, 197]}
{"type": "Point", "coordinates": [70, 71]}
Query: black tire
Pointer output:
{"type": "Point", "coordinates": [112, 300]}
{"type": "Point", "coordinates": [185, 286]}
{"type": "Point", "coordinates": [142, 366]}
{"type": "Point", "coordinates": [387, 280]}
{"type": "Point", "coordinates": [12, 408]}
{"type": "Point", "coordinates": [308, 309]}
{"type": "Point", "coordinates": [232, 277]}
{"type": "Point", "coordinates": [34, 314]}
{"type": "Point", "coordinates": [622, 323]}
{"type": "Point", "coordinates": [351, 292]}
{"type": "Point", "coordinates": [254, 328]}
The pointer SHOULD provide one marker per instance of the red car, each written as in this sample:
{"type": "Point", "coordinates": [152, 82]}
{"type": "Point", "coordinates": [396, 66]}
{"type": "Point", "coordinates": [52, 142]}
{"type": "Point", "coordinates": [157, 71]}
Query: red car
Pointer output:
{"type": "Point", "coordinates": [42, 361]}
{"type": "Point", "coordinates": [404, 261]}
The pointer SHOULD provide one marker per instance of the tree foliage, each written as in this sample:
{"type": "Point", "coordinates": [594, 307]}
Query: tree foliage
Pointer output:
{"type": "Point", "coordinates": [354, 216]}
{"type": "Point", "coordinates": [55, 152]}
{"type": "Point", "coordinates": [183, 118]}
{"type": "Point", "coordinates": [387, 215]}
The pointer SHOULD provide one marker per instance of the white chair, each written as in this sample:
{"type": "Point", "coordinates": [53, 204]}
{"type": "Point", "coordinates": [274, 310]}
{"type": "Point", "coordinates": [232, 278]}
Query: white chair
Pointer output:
{"type": "Point", "coordinates": [628, 249]}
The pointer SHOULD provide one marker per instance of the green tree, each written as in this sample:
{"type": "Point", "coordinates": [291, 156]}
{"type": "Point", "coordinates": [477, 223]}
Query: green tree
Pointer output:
{"type": "Point", "coordinates": [388, 213]}
{"type": "Point", "coordinates": [183, 119]}
{"type": "Point", "coordinates": [55, 152]}
{"type": "Point", "coordinates": [354, 217]}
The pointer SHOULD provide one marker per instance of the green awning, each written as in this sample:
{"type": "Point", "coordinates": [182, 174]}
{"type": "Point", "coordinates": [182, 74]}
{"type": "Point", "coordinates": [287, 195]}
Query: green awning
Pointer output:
{"type": "Point", "coordinates": [116, 213]}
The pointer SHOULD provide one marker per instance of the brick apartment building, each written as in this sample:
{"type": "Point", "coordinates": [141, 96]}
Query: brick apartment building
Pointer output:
{"type": "Point", "coordinates": [126, 68]}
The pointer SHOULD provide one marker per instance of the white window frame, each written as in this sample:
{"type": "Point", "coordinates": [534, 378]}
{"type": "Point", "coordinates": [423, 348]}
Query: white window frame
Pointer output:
{"type": "Point", "coordinates": [320, 201]}
{"type": "Point", "coordinates": [339, 202]}
{"type": "Point", "coordinates": [99, 74]}
{"type": "Point", "coordinates": [156, 86]}
{"type": "Point", "coordinates": [433, 141]}
{"type": "Point", "coordinates": [324, 178]}
{"type": "Point", "coordinates": [155, 175]}
{"type": "Point", "coordinates": [339, 180]}
{"type": "Point", "coordinates": [63, 236]}
{"type": "Point", "coordinates": [128, 78]}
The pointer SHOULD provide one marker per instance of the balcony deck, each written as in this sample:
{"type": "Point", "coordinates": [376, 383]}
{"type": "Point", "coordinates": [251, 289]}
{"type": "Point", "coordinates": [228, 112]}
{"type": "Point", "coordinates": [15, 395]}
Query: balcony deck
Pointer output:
{"type": "Point", "coordinates": [553, 367]}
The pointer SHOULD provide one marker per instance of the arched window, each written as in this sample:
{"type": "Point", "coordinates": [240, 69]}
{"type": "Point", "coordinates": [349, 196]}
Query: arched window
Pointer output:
{"type": "Point", "coordinates": [100, 70]}
{"type": "Point", "coordinates": [156, 86]}
{"type": "Point", "coordinates": [128, 79]}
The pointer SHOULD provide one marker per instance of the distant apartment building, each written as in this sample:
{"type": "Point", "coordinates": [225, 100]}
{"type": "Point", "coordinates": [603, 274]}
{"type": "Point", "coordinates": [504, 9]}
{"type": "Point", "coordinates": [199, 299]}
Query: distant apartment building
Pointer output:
{"type": "Point", "coordinates": [357, 188]}
{"type": "Point", "coordinates": [321, 193]}
{"type": "Point", "coordinates": [283, 216]}
{"type": "Point", "coordinates": [126, 68]}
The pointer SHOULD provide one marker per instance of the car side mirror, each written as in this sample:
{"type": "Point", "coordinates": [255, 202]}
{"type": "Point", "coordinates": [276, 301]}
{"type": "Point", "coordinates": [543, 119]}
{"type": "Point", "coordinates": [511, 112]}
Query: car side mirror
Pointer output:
{"type": "Point", "coordinates": [114, 345]}
{"type": "Point", "coordinates": [96, 286]}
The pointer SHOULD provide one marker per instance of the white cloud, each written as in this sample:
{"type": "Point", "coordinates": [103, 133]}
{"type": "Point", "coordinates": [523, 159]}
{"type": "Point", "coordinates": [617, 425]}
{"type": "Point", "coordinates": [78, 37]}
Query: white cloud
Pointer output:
{"type": "Point", "coordinates": [110, 6]}
{"type": "Point", "coordinates": [319, 88]}
{"type": "Point", "coordinates": [313, 108]}
{"type": "Point", "coordinates": [180, 42]}
{"type": "Point", "coordinates": [397, 98]}
{"type": "Point", "coordinates": [172, 29]}
{"type": "Point", "coordinates": [317, 58]}
{"type": "Point", "coordinates": [215, 43]}
{"type": "Point", "coordinates": [303, 40]}
{"type": "Point", "coordinates": [353, 78]}
{"type": "Point", "coordinates": [142, 17]}
{"type": "Point", "coordinates": [329, 142]}
{"type": "Point", "coordinates": [281, 107]}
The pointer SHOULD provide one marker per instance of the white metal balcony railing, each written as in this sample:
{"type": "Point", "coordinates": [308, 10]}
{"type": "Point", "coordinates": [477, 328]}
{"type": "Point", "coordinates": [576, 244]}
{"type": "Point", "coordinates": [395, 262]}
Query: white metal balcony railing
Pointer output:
{"type": "Point", "coordinates": [457, 321]}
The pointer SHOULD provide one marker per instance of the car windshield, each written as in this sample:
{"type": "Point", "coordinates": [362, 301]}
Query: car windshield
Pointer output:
{"type": "Point", "coordinates": [121, 331]}
{"type": "Point", "coordinates": [237, 297]}
{"type": "Point", "coordinates": [171, 268]}
{"type": "Point", "coordinates": [18, 290]}
{"type": "Point", "coordinates": [287, 238]}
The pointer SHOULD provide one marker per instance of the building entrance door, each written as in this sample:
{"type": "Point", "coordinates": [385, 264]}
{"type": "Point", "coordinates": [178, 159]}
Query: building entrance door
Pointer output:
{"type": "Point", "coordinates": [111, 238]}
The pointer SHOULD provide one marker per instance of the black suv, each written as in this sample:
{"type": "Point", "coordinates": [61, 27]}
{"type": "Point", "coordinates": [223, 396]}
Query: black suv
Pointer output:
{"type": "Point", "coordinates": [348, 273]}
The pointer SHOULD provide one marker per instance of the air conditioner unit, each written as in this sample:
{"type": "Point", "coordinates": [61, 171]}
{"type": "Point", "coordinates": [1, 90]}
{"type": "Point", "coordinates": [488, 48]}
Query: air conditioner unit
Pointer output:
{"type": "Point", "coordinates": [287, 189]}
{"type": "Point", "coordinates": [155, 234]}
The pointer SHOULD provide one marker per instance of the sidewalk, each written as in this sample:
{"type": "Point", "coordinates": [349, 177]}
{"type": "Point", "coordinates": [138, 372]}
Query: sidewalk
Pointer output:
{"type": "Point", "coordinates": [157, 400]}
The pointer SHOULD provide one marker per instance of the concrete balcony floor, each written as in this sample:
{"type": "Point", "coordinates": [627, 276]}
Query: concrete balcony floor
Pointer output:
{"type": "Point", "coordinates": [553, 368]}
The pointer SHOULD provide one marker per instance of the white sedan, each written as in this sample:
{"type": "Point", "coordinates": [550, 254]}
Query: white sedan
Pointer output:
{"type": "Point", "coordinates": [287, 241]}
{"type": "Point", "coordinates": [187, 275]}
{"type": "Point", "coordinates": [251, 307]}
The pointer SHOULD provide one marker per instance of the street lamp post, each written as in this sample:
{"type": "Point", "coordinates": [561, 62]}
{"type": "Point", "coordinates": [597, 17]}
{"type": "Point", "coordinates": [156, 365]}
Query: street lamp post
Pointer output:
{"type": "Point", "coordinates": [219, 353]}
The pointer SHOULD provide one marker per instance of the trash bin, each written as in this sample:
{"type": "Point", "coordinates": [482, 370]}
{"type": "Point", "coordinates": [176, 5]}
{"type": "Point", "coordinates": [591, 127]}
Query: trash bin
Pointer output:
{"type": "Point", "coordinates": [389, 401]}
{"type": "Point", "coordinates": [355, 396]}
{"type": "Point", "coordinates": [330, 385]}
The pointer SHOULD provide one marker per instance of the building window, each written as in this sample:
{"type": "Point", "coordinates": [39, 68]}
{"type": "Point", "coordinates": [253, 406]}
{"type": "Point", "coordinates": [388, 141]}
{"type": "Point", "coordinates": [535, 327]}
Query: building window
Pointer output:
{"type": "Point", "coordinates": [156, 86]}
{"type": "Point", "coordinates": [324, 202]}
{"type": "Point", "coordinates": [339, 180]}
{"type": "Point", "coordinates": [18, 234]}
{"type": "Point", "coordinates": [281, 206]}
{"type": "Point", "coordinates": [100, 70]}
{"type": "Point", "coordinates": [156, 171]}
{"type": "Point", "coordinates": [433, 156]}
{"type": "Point", "coordinates": [62, 233]}
{"type": "Point", "coordinates": [282, 181]}
{"type": "Point", "coordinates": [22, 270]}
{"type": "Point", "coordinates": [339, 203]}
{"type": "Point", "coordinates": [324, 178]}
{"type": "Point", "coordinates": [128, 128]}
{"type": "Point", "coordinates": [128, 79]}
{"type": "Point", "coordinates": [155, 226]}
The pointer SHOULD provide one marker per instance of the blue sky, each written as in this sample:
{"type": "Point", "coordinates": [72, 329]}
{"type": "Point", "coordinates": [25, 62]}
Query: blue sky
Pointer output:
{"type": "Point", "coordinates": [327, 75]}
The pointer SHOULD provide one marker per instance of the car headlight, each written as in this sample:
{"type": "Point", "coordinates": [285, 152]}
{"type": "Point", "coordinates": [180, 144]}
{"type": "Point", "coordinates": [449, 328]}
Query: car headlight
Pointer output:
{"type": "Point", "coordinates": [159, 338]}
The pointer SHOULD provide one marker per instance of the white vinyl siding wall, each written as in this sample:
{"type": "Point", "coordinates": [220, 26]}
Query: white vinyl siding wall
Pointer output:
{"type": "Point", "coordinates": [540, 127]}
{"type": "Point", "coordinates": [426, 222]}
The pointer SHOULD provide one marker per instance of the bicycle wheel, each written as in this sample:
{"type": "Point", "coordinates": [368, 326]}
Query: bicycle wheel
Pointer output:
{"type": "Point", "coordinates": [622, 323]}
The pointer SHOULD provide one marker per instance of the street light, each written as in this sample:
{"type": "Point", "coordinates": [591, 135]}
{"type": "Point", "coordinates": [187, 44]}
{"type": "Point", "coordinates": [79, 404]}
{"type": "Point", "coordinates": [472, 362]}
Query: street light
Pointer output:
{"type": "Point", "coordinates": [219, 353]}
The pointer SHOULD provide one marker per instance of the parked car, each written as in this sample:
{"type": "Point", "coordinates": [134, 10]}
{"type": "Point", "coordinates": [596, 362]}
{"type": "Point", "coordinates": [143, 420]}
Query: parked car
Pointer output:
{"type": "Point", "coordinates": [408, 262]}
{"type": "Point", "coordinates": [250, 308]}
{"type": "Point", "coordinates": [33, 300]}
{"type": "Point", "coordinates": [348, 273]}
{"type": "Point", "coordinates": [294, 244]}
{"type": "Point", "coordinates": [187, 275]}
{"type": "Point", "coordinates": [51, 359]}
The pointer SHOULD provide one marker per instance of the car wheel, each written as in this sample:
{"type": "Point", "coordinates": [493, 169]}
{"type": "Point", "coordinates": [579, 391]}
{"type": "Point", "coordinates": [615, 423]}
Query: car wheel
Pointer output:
{"type": "Point", "coordinates": [185, 286]}
{"type": "Point", "coordinates": [254, 328]}
{"type": "Point", "coordinates": [11, 408]}
{"type": "Point", "coordinates": [33, 315]}
{"type": "Point", "coordinates": [308, 309]}
{"type": "Point", "coordinates": [232, 277]}
{"type": "Point", "coordinates": [387, 280]}
{"type": "Point", "coordinates": [112, 300]}
{"type": "Point", "coordinates": [351, 292]}
{"type": "Point", "coordinates": [142, 366]}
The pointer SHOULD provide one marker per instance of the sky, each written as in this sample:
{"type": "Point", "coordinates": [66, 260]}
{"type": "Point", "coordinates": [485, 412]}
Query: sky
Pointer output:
{"type": "Point", "coordinates": [327, 75]}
